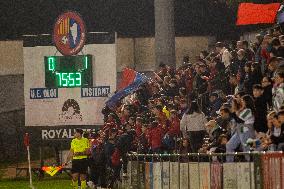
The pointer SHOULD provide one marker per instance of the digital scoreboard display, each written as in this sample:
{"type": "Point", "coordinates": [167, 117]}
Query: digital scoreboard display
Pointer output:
{"type": "Point", "coordinates": [68, 71]}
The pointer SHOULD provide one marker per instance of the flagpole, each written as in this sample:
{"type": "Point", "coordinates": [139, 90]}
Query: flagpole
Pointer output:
{"type": "Point", "coordinates": [27, 144]}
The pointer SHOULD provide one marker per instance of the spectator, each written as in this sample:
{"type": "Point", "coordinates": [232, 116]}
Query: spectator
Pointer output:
{"type": "Point", "coordinates": [277, 136]}
{"type": "Point", "coordinates": [239, 45]}
{"type": "Point", "coordinates": [224, 119]}
{"type": "Point", "coordinates": [244, 127]}
{"type": "Point", "coordinates": [260, 109]}
{"type": "Point", "coordinates": [272, 67]}
{"type": "Point", "coordinates": [138, 126]}
{"type": "Point", "coordinates": [224, 53]}
{"type": "Point", "coordinates": [193, 126]}
{"type": "Point", "coordinates": [156, 133]}
{"type": "Point", "coordinates": [278, 91]}
{"type": "Point", "coordinates": [266, 83]}
{"type": "Point", "coordinates": [235, 84]}
{"type": "Point", "coordinates": [162, 118]}
{"type": "Point", "coordinates": [174, 124]}
{"type": "Point", "coordinates": [256, 74]}
{"type": "Point", "coordinates": [142, 140]}
{"type": "Point", "coordinates": [248, 80]}
{"type": "Point", "coordinates": [215, 104]}
{"type": "Point", "coordinates": [249, 53]}
{"type": "Point", "coordinates": [277, 49]}
{"type": "Point", "coordinates": [214, 131]}
{"type": "Point", "coordinates": [124, 144]}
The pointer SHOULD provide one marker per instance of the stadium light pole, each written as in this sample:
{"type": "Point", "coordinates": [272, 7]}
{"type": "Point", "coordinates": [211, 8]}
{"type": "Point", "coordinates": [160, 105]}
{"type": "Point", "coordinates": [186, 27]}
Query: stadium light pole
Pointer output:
{"type": "Point", "coordinates": [164, 32]}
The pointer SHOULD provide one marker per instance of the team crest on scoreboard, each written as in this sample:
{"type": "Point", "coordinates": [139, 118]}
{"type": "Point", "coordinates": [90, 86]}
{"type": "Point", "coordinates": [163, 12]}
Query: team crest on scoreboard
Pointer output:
{"type": "Point", "coordinates": [69, 33]}
{"type": "Point", "coordinates": [70, 111]}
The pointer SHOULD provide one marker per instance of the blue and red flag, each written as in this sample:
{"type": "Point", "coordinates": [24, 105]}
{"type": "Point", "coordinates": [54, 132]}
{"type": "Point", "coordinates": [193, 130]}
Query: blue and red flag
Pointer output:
{"type": "Point", "coordinates": [131, 81]}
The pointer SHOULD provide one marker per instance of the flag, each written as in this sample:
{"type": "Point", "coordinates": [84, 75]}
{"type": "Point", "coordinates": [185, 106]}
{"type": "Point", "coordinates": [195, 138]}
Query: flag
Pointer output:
{"type": "Point", "coordinates": [132, 86]}
{"type": "Point", "coordinates": [250, 13]}
{"type": "Point", "coordinates": [128, 76]}
{"type": "Point", "coordinates": [51, 170]}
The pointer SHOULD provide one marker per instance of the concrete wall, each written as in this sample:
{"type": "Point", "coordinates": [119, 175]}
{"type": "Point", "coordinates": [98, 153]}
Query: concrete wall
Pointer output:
{"type": "Point", "coordinates": [11, 58]}
{"type": "Point", "coordinates": [139, 53]}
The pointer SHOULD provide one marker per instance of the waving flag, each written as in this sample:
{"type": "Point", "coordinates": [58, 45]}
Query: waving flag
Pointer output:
{"type": "Point", "coordinates": [128, 76]}
{"type": "Point", "coordinates": [128, 86]}
{"type": "Point", "coordinates": [250, 13]}
{"type": "Point", "coordinates": [51, 170]}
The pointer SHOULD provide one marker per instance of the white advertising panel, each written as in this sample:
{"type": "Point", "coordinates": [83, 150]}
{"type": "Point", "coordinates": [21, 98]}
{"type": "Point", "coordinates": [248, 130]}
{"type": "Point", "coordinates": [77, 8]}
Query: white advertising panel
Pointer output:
{"type": "Point", "coordinates": [166, 175]}
{"type": "Point", "coordinates": [230, 175]}
{"type": "Point", "coordinates": [194, 175]}
{"type": "Point", "coordinates": [157, 174]}
{"type": "Point", "coordinates": [67, 106]}
{"type": "Point", "coordinates": [174, 175]}
{"type": "Point", "coordinates": [204, 169]}
{"type": "Point", "coordinates": [184, 184]}
{"type": "Point", "coordinates": [245, 175]}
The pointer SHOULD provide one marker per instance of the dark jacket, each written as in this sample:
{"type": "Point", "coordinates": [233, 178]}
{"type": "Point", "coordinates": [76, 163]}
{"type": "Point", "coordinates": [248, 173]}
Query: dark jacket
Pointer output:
{"type": "Point", "coordinates": [248, 83]}
{"type": "Point", "coordinates": [124, 142]}
{"type": "Point", "coordinates": [215, 133]}
{"type": "Point", "coordinates": [260, 124]}
{"type": "Point", "coordinates": [215, 106]}
{"type": "Point", "coordinates": [109, 148]}
{"type": "Point", "coordinates": [268, 95]}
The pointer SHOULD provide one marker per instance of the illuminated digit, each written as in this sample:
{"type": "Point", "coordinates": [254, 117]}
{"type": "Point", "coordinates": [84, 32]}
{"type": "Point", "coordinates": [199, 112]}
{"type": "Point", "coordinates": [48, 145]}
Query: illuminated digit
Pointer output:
{"type": "Point", "coordinates": [59, 78]}
{"type": "Point", "coordinates": [51, 63]}
{"type": "Point", "coordinates": [71, 78]}
{"type": "Point", "coordinates": [86, 62]}
{"type": "Point", "coordinates": [65, 79]}
{"type": "Point", "coordinates": [78, 79]}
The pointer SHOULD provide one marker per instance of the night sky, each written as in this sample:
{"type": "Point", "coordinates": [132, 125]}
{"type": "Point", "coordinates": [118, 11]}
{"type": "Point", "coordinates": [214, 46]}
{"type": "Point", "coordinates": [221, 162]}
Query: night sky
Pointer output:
{"type": "Point", "coordinates": [130, 18]}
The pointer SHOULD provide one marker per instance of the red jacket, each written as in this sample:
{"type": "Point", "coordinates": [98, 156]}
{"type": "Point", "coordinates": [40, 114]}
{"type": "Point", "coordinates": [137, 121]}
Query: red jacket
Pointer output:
{"type": "Point", "coordinates": [174, 128]}
{"type": "Point", "coordinates": [138, 130]}
{"type": "Point", "coordinates": [156, 135]}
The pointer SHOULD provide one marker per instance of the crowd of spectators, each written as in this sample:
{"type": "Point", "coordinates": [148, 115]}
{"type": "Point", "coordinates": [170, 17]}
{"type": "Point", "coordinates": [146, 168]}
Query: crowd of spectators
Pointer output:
{"type": "Point", "coordinates": [227, 100]}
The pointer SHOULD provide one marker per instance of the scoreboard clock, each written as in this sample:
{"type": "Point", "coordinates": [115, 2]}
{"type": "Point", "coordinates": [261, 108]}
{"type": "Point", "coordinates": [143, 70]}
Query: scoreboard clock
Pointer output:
{"type": "Point", "coordinates": [68, 71]}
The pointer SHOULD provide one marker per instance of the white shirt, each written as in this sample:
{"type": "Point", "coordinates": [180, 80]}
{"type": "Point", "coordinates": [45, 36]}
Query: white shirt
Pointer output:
{"type": "Point", "coordinates": [226, 57]}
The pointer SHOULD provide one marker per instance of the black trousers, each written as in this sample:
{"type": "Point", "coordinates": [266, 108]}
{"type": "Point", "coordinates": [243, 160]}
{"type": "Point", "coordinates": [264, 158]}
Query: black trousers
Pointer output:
{"type": "Point", "coordinates": [196, 139]}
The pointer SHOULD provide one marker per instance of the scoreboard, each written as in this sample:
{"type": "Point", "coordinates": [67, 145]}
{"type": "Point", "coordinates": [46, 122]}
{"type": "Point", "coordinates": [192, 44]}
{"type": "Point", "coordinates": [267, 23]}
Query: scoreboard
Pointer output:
{"type": "Point", "coordinates": [68, 71]}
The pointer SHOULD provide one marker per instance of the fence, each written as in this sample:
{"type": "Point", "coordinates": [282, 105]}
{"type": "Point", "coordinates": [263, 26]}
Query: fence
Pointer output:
{"type": "Point", "coordinates": [205, 171]}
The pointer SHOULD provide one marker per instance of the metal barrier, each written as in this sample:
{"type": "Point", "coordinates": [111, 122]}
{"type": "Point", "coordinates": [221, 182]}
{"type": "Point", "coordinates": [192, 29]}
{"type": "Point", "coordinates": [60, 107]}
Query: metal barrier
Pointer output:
{"type": "Point", "coordinates": [205, 171]}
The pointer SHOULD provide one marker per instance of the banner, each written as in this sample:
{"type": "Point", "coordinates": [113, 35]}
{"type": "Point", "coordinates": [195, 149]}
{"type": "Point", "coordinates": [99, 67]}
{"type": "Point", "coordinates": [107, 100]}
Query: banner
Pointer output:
{"type": "Point", "coordinates": [273, 170]}
{"type": "Point", "coordinates": [141, 174]}
{"type": "Point", "coordinates": [166, 175]}
{"type": "Point", "coordinates": [157, 174]}
{"type": "Point", "coordinates": [174, 174]}
{"type": "Point", "coordinates": [204, 169]}
{"type": "Point", "coordinates": [250, 13]}
{"type": "Point", "coordinates": [245, 175]}
{"type": "Point", "coordinates": [134, 174]}
{"type": "Point", "coordinates": [230, 180]}
{"type": "Point", "coordinates": [194, 175]}
{"type": "Point", "coordinates": [183, 170]}
{"type": "Point", "coordinates": [216, 175]}
{"type": "Point", "coordinates": [149, 175]}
